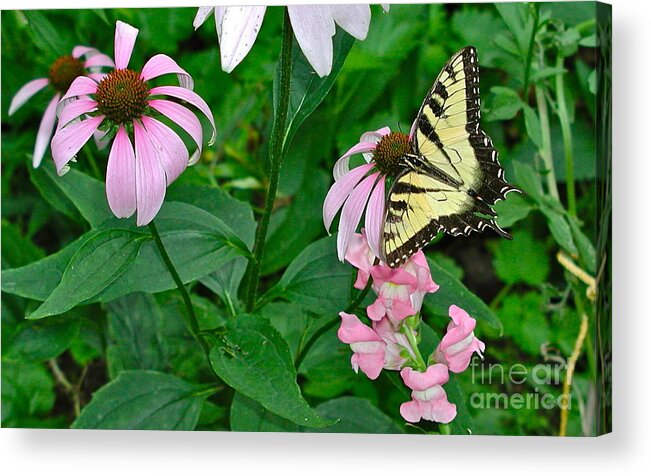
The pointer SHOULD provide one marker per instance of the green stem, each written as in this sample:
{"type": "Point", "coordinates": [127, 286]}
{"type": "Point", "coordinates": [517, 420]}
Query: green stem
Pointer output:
{"type": "Point", "coordinates": [93, 163]}
{"type": "Point", "coordinates": [192, 322]}
{"type": "Point", "coordinates": [408, 331]}
{"type": "Point", "coordinates": [546, 150]}
{"type": "Point", "coordinates": [566, 130]}
{"type": "Point", "coordinates": [275, 156]}
{"type": "Point", "coordinates": [501, 295]}
{"type": "Point", "coordinates": [527, 69]}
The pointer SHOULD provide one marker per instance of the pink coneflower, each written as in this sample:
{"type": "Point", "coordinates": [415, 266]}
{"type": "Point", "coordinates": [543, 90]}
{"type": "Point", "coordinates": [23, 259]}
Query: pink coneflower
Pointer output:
{"type": "Point", "coordinates": [353, 189]}
{"type": "Point", "coordinates": [84, 61]}
{"type": "Point", "coordinates": [122, 103]}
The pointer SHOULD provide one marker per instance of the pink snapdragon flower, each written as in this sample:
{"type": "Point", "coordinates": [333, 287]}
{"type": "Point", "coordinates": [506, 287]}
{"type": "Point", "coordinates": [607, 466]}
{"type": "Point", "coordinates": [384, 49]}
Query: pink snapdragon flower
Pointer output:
{"type": "Point", "coordinates": [459, 343]}
{"type": "Point", "coordinates": [365, 184]}
{"type": "Point", "coordinates": [398, 349]}
{"type": "Point", "coordinates": [400, 290]}
{"type": "Point", "coordinates": [366, 344]}
{"type": "Point", "coordinates": [429, 400]}
{"type": "Point", "coordinates": [84, 61]}
{"type": "Point", "coordinates": [138, 173]}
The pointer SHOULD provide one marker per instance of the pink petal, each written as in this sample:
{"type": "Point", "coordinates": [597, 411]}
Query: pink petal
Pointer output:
{"type": "Point", "coordinates": [81, 86]}
{"type": "Point", "coordinates": [352, 330]}
{"type": "Point", "coordinates": [436, 374]}
{"type": "Point", "coordinates": [121, 176]}
{"type": "Point", "coordinates": [99, 60]}
{"type": "Point", "coordinates": [100, 138]}
{"type": "Point", "coordinates": [352, 213]}
{"type": "Point", "coordinates": [375, 217]}
{"type": "Point", "coordinates": [125, 39]}
{"type": "Point", "coordinates": [169, 147]}
{"type": "Point", "coordinates": [70, 139]}
{"type": "Point", "coordinates": [73, 109]}
{"type": "Point", "coordinates": [97, 77]}
{"type": "Point", "coordinates": [26, 92]}
{"type": "Point", "coordinates": [192, 98]}
{"type": "Point", "coordinates": [377, 310]}
{"type": "Point", "coordinates": [339, 192]}
{"type": "Point", "coordinates": [341, 167]}
{"type": "Point", "coordinates": [150, 177]}
{"type": "Point", "coordinates": [45, 130]}
{"type": "Point", "coordinates": [185, 118]}
{"type": "Point", "coordinates": [162, 64]}
{"type": "Point", "coordinates": [410, 411]}
{"type": "Point", "coordinates": [355, 19]}
{"type": "Point", "coordinates": [79, 51]}
{"type": "Point", "coordinates": [202, 15]}
{"type": "Point", "coordinates": [314, 28]}
{"type": "Point", "coordinates": [370, 363]}
{"type": "Point", "coordinates": [239, 30]}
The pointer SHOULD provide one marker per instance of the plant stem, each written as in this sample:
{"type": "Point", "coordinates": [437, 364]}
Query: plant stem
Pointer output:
{"type": "Point", "coordinates": [275, 156]}
{"type": "Point", "coordinates": [546, 150]}
{"type": "Point", "coordinates": [566, 130]}
{"type": "Point", "coordinates": [527, 69]}
{"type": "Point", "coordinates": [567, 384]}
{"type": "Point", "coordinates": [408, 331]}
{"type": "Point", "coordinates": [192, 322]}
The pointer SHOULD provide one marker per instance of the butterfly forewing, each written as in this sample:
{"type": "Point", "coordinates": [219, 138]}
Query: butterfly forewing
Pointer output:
{"type": "Point", "coordinates": [460, 176]}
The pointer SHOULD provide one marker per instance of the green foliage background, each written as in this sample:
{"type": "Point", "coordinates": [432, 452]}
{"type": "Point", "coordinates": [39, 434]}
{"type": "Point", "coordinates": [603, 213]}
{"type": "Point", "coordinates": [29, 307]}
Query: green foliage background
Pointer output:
{"type": "Point", "coordinates": [119, 356]}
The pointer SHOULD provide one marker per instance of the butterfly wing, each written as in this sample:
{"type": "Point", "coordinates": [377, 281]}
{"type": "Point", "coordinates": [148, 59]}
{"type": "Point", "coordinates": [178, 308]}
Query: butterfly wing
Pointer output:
{"type": "Point", "coordinates": [459, 177]}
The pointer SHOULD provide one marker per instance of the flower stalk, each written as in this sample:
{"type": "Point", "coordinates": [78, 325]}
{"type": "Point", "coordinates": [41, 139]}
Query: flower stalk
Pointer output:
{"type": "Point", "coordinates": [192, 322]}
{"type": "Point", "coordinates": [276, 152]}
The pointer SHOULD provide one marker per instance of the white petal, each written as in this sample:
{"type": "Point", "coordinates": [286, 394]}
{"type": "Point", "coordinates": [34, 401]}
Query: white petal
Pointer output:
{"type": "Point", "coordinates": [314, 28]}
{"type": "Point", "coordinates": [202, 15]}
{"type": "Point", "coordinates": [239, 29]}
{"type": "Point", "coordinates": [355, 19]}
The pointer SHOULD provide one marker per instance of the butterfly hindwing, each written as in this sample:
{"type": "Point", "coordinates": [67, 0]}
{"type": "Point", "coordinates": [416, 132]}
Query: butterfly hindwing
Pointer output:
{"type": "Point", "coordinates": [459, 177]}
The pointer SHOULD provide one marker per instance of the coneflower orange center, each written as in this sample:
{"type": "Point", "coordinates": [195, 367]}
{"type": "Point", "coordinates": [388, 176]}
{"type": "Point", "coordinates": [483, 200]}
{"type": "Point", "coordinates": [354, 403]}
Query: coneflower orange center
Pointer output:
{"type": "Point", "coordinates": [122, 96]}
{"type": "Point", "coordinates": [64, 71]}
{"type": "Point", "coordinates": [389, 151]}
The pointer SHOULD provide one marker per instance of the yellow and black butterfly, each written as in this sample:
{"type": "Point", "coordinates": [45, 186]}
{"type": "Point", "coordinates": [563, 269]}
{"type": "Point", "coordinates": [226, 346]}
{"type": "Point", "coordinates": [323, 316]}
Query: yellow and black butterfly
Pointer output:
{"type": "Point", "coordinates": [452, 177]}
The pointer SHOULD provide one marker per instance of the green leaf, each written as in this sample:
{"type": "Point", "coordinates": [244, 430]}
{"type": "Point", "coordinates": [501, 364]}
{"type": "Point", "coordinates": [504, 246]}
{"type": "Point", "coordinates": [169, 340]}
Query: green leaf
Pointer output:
{"type": "Point", "coordinates": [103, 257]}
{"type": "Point", "coordinates": [27, 392]}
{"type": "Point", "coordinates": [584, 246]}
{"type": "Point", "coordinates": [307, 89]}
{"type": "Point", "coordinates": [520, 22]}
{"type": "Point", "coordinates": [505, 104]}
{"type": "Point", "coordinates": [316, 279]}
{"type": "Point", "coordinates": [558, 224]}
{"type": "Point", "coordinates": [41, 340]}
{"type": "Point", "coordinates": [21, 282]}
{"type": "Point", "coordinates": [525, 322]}
{"type": "Point", "coordinates": [86, 194]}
{"type": "Point", "coordinates": [522, 260]}
{"type": "Point", "coordinates": [144, 400]}
{"type": "Point", "coordinates": [134, 334]}
{"type": "Point", "coordinates": [249, 415]}
{"type": "Point", "coordinates": [290, 319]}
{"type": "Point", "coordinates": [452, 291]}
{"type": "Point", "coordinates": [299, 226]}
{"type": "Point", "coordinates": [355, 415]}
{"type": "Point", "coordinates": [528, 180]}
{"type": "Point", "coordinates": [45, 35]}
{"type": "Point", "coordinates": [532, 123]}
{"type": "Point", "coordinates": [197, 242]}
{"type": "Point", "coordinates": [512, 210]}
{"type": "Point", "coordinates": [17, 250]}
{"type": "Point", "coordinates": [253, 358]}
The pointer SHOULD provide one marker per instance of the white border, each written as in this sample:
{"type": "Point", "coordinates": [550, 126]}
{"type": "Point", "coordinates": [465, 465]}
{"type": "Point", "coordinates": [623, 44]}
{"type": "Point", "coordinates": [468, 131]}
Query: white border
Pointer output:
{"type": "Point", "coordinates": [72, 452]}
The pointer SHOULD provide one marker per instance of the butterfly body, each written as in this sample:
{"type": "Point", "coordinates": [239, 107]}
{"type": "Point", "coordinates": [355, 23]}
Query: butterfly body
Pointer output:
{"type": "Point", "coordinates": [450, 177]}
